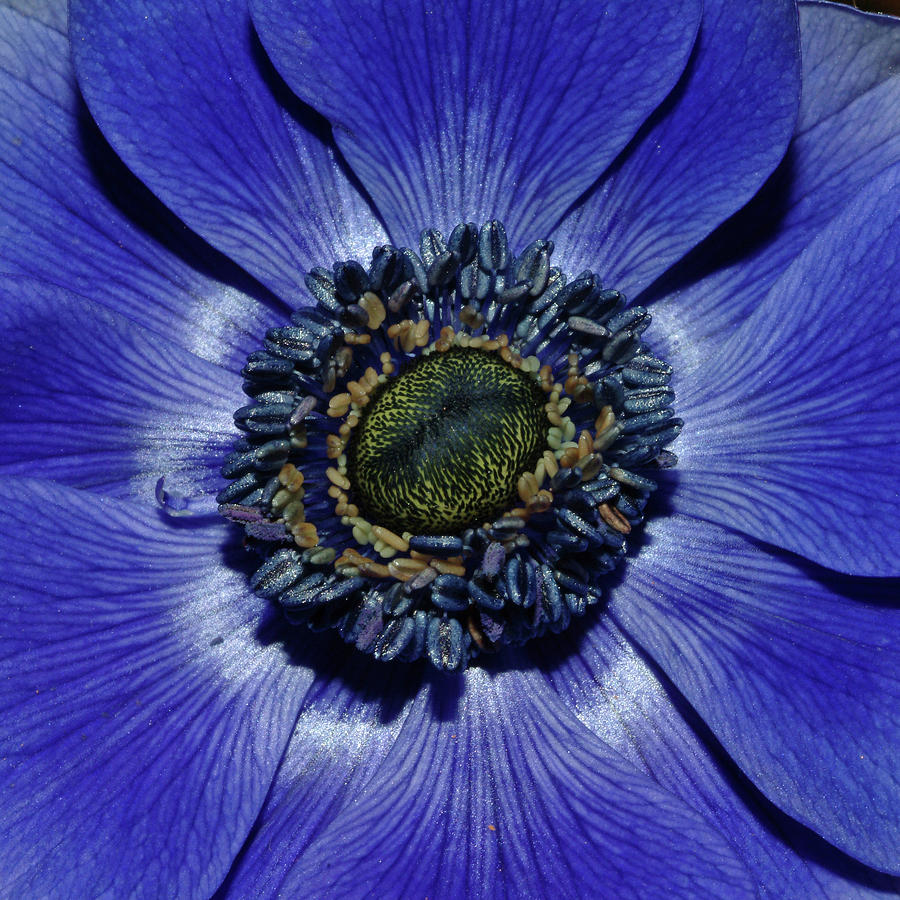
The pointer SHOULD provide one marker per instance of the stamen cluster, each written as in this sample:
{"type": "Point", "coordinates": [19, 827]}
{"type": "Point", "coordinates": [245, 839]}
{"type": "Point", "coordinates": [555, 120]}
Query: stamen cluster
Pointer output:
{"type": "Point", "coordinates": [401, 586]}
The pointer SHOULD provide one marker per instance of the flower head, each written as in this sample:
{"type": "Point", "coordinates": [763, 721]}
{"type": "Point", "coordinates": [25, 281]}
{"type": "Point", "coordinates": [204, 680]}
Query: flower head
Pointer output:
{"type": "Point", "coordinates": [722, 720]}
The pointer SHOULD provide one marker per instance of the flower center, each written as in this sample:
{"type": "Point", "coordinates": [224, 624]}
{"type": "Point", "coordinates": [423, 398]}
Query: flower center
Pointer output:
{"type": "Point", "coordinates": [448, 450]}
{"type": "Point", "coordinates": [442, 446]}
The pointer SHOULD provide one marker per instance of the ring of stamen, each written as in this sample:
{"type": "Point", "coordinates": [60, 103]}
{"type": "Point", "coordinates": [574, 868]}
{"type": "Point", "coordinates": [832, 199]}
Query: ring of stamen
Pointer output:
{"type": "Point", "coordinates": [391, 583]}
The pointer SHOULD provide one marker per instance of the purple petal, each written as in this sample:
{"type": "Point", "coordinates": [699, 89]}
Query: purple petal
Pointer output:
{"type": "Point", "coordinates": [350, 721]}
{"type": "Point", "coordinates": [456, 111]}
{"type": "Point", "coordinates": [847, 134]}
{"type": "Point", "coordinates": [73, 215]}
{"type": "Point", "coordinates": [791, 429]}
{"type": "Point", "coordinates": [187, 99]}
{"type": "Point", "coordinates": [704, 153]}
{"type": "Point", "coordinates": [628, 704]}
{"type": "Point", "coordinates": [795, 671]}
{"type": "Point", "coordinates": [144, 715]}
{"type": "Point", "coordinates": [490, 791]}
{"type": "Point", "coordinates": [93, 400]}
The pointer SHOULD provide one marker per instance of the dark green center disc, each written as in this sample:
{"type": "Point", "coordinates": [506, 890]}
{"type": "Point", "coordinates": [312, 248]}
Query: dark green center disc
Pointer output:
{"type": "Point", "coordinates": [440, 448]}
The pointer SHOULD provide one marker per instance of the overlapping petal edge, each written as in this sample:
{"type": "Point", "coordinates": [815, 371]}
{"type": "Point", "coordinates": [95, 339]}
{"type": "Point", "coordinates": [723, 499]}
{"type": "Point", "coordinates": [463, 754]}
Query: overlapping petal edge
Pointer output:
{"type": "Point", "coordinates": [199, 873]}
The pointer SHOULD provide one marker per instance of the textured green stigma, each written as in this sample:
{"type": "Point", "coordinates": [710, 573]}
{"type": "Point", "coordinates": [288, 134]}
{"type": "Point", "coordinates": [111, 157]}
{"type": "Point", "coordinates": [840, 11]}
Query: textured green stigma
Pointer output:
{"type": "Point", "coordinates": [442, 445]}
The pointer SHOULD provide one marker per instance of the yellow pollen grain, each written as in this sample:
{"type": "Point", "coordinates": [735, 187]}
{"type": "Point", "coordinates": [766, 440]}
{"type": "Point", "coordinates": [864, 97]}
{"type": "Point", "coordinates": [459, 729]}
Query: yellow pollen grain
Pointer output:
{"type": "Point", "coordinates": [358, 392]}
{"type": "Point", "coordinates": [335, 477]}
{"type": "Point", "coordinates": [585, 443]}
{"type": "Point", "coordinates": [323, 556]}
{"type": "Point", "coordinates": [384, 550]}
{"type": "Point", "coordinates": [408, 340]}
{"type": "Point", "coordinates": [294, 512]}
{"type": "Point", "coordinates": [334, 446]}
{"type": "Point", "coordinates": [550, 463]}
{"type": "Point", "coordinates": [338, 405]}
{"type": "Point", "coordinates": [527, 486]}
{"type": "Point", "coordinates": [305, 535]}
{"type": "Point", "coordinates": [394, 331]}
{"type": "Point", "coordinates": [404, 568]}
{"type": "Point", "coordinates": [343, 360]}
{"type": "Point", "coordinates": [470, 316]}
{"type": "Point", "coordinates": [606, 418]}
{"type": "Point", "coordinates": [568, 458]}
{"type": "Point", "coordinates": [372, 304]}
{"type": "Point", "coordinates": [614, 518]}
{"type": "Point", "coordinates": [290, 477]}
{"type": "Point", "coordinates": [281, 498]}
{"type": "Point", "coordinates": [391, 539]}
{"type": "Point", "coordinates": [420, 333]}
{"type": "Point", "coordinates": [373, 569]}
{"type": "Point", "coordinates": [360, 535]}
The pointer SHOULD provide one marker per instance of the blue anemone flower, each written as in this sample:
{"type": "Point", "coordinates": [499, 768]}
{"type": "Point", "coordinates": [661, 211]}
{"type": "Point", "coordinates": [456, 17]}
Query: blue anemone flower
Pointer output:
{"type": "Point", "coordinates": [723, 723]}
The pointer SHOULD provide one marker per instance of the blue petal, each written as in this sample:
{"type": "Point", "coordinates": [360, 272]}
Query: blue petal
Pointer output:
{"type": "Point", "coordinates": [456, 111]}
{"type": "Point", "coordinates": [847, 134]}
{"type": "Point", "coordinates": [50, 12]}
{"type": "Point", "coordinates": [628, 704]}
{"type": "Point", "coordinates": [350, 721]}
{"type": "Point", "coordinates": [143, 715]}
{"type": "Point", "coordinates": [486, 788]}
{"type": "Point", "coordinates": [73, 215]}
{"type": "Point", "coordinates": [93, 400]}
{"type": "Point", "coordinates": [791, 431]}
{"type": "Point", "coordinates": [794, 669]}
{"type": "Point", "coordinates": [187, 99]}
{"type": "Point", "coordinates": [704, 153]}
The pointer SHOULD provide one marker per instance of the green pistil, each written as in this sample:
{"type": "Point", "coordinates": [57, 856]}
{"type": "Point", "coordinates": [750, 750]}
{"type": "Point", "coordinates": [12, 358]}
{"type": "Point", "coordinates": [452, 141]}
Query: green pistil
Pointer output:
{"type": "Point", "coordinates": [440, 448]}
